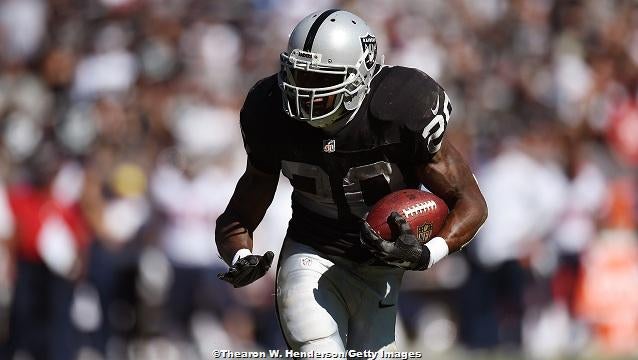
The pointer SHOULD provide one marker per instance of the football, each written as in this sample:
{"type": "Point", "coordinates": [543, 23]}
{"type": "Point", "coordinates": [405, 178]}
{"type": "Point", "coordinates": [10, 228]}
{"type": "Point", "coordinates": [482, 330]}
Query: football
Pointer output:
{"type": "Point", "coordinates": [424, 211]}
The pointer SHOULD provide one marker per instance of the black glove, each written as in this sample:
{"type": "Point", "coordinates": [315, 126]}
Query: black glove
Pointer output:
{"type": "Point", "coordinates": [248, 269]}
{"type": "Point", "coordinates": [405, 251]}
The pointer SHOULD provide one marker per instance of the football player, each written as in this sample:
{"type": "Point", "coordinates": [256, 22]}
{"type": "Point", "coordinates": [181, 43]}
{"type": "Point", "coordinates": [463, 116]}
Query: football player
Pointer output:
{"type": "Point", "coordinates": [345, 130]}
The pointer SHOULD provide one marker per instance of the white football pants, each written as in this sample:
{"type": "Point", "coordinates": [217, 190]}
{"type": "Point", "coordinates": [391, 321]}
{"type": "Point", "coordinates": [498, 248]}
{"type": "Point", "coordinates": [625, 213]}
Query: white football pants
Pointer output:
{"type": "Point", "coordinates": [331, 304]}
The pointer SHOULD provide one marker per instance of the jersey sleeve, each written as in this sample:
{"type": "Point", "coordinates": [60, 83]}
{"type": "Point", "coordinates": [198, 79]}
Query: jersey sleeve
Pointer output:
{"type": "Point", "coordinates": [257, 133]}
{"type": "Point", "coordinates": [429, 133]}
{"type": "Point", "coordinates": [417, 105]}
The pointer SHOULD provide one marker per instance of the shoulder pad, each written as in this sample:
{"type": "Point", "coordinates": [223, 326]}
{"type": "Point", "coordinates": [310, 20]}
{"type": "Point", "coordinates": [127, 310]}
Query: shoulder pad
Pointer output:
{"type": "Point", "coordinates": [260, 135]}
{"type": "Point", "coordinates": [262, 102]}
{"type": "Point", "coordinates": [262, 99]}
{"type": "Point", "coordinates": [262, 90]}
{"type": "Point", "coordinates": [405, 96]}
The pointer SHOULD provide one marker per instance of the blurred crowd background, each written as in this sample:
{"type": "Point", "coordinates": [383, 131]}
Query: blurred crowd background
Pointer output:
{"type": "Point", "coordinates": [119, 147]}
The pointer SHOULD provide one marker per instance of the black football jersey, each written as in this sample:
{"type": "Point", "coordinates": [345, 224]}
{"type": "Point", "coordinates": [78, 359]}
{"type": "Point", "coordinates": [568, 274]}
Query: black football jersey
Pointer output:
{"type": "Point", "coordinates": [337, 178]}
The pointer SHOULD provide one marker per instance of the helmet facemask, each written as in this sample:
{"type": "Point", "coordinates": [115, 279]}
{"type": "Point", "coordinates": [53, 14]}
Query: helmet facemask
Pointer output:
{"type": "Point", "coordinates": [321, 93]}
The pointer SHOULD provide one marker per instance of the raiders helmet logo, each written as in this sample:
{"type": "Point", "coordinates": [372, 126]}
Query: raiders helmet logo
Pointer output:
{"type": "Point", "coordinates": [423, 232]}
{"type": "Point", "coordinates": [369, 42]}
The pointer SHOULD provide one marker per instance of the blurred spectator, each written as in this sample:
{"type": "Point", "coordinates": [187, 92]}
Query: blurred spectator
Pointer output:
{"type": "Point", "coordinates": [6, 268]}
{"type": "Point", "coordinates": [49, 241]}
{"type": "Point", "coordinates": [605, 297]}
{"type": "Point", "coordinates": [189, 193]}
{"type": "Point", "coordinates": [525, 189]}
{"type": "Point", "coordinates": [22, 26]}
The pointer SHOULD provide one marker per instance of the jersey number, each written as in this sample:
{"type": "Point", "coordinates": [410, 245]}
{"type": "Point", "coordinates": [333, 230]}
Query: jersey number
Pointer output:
{"type": "Point", "coordinates": [433, 132]}
{"type": "Point", "coordinates": [362, 185]}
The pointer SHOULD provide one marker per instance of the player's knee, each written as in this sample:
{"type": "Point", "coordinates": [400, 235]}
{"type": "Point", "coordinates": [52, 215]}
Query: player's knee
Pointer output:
{"type": "Point", "coordinates": [331, 343]}
{"type": "Point", "coordinates": [305, 332]}
{"type": "Point", "coordinates": [304, 324]}
{"type": "Point", "coordinates": [304, 321]}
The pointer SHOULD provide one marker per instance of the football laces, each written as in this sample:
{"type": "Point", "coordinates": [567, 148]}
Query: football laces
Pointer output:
{"type": "Point", "coordinates": [419, 208]}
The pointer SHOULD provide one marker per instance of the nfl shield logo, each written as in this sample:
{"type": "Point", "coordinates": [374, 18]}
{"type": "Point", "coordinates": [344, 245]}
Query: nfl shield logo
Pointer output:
{"type": "Point", "coordinates": [328, 146]}
{"type": "Point", "coordinates": [306, 262]}
{"type": "Point", "coordinates": [423, 232]}
{"type": "Point", "coordinates": [369, 42]}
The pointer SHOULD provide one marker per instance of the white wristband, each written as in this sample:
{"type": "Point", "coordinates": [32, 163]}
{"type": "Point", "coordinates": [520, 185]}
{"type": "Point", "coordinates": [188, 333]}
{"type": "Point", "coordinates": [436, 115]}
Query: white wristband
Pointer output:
{"type": "Point", "coordinates": [438, 250]}
{"type": "Point", "coordinates": [242, 253]}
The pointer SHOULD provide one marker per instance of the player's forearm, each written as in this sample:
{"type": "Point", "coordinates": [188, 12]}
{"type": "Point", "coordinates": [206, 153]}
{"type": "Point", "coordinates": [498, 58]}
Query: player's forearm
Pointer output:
{"type": "Point", "coordinates": [450, 177]}
{"type": "Point", "coordinates": [231, 236]}
{"type": "Point", "coordinates": [464, 221]}
{"type": "Point", "coordinates": [234, 227]}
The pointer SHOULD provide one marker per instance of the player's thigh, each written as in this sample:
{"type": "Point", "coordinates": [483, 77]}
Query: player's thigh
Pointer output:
{"type": "Point", "coordinates": [311, 313]}
{"type": "Point", "coordinates": [372, 327]}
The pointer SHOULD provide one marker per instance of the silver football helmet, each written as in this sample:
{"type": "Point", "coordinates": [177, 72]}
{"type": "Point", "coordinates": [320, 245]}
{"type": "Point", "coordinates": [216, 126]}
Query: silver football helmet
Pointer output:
{"type": "Point", "coordinates": [327, 68]}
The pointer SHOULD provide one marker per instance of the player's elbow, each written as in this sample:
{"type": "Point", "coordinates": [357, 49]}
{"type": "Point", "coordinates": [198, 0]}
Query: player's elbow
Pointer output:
{"type": "Point", "coordinates": [219, 224]}
{"type": "Point", "coordinates": [475, 208]}
{"type": "Point", "coordinates": [476, 215]}
{"type": "Point", "coordinates": [481, 209]}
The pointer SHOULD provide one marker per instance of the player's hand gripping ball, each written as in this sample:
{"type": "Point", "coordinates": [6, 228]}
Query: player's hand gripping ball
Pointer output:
{"type": "Point", "coordinates": [399, 224]}
{"type": "Point", "coordinates": [423, 211]}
